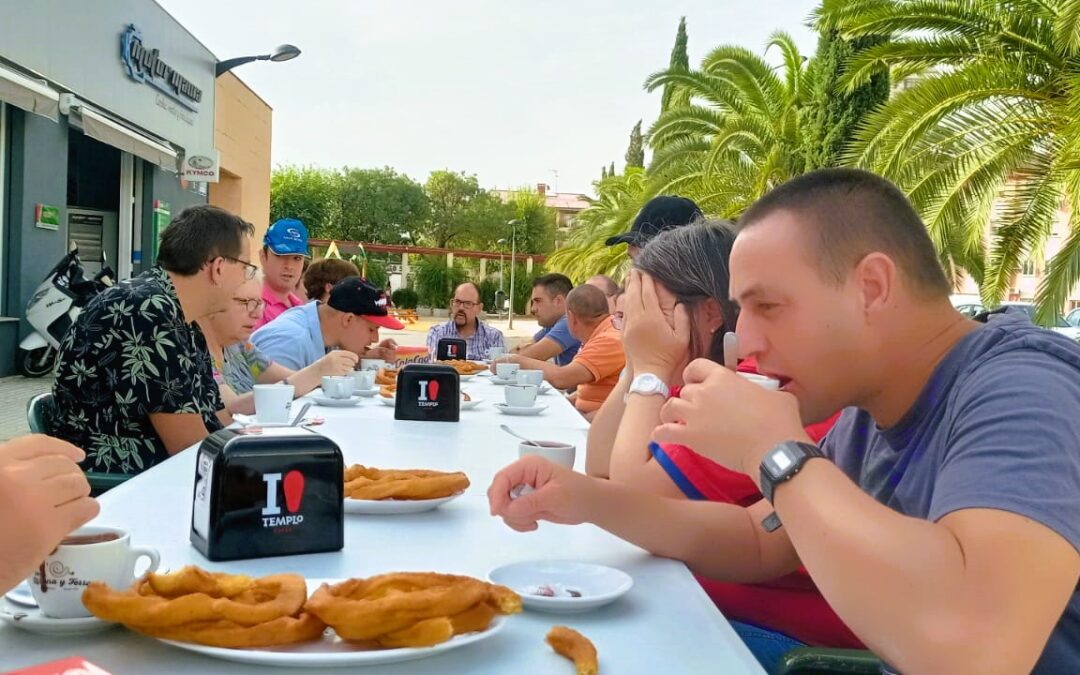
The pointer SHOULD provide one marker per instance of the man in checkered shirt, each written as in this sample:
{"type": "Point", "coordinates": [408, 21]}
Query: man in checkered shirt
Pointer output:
{"type": "Point", "coordinates": [465, 323]}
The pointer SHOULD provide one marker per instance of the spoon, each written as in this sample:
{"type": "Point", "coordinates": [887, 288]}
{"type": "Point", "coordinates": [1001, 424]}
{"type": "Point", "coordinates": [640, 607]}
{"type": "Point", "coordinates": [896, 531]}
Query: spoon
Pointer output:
{"type": "Point", "coordinates": [731, 351]}
{"type": "Point", "coordinates": [519, 436]}
{"type": "Point", "coordinates": [300, 417]}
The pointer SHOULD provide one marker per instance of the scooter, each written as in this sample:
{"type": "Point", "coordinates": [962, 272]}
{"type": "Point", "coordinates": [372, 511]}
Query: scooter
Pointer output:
{"type": "Point", "coordinates": [53, 309]}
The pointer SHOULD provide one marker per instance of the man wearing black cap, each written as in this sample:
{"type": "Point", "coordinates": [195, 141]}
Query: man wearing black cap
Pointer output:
{"type": "Point", "coordinates": [658, 214]}
{"type": "Point", "coordinates": [349, 319]}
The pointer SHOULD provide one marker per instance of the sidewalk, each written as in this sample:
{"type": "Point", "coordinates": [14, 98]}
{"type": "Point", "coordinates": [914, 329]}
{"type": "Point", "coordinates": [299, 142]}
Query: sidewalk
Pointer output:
{"type": "Point", "coordinates": [15, 393]}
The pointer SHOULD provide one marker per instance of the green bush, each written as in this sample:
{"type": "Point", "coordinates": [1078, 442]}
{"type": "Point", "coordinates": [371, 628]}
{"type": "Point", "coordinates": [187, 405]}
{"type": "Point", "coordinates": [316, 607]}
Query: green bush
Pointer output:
{"type": "Point", "coordinates": [523, 286]}
{"type": "Point", "coordinates": [488, 288]}
{"type": "Point", "coordinates": [435, 281]}
{"type": "Point", "coordinates": [405, 298]}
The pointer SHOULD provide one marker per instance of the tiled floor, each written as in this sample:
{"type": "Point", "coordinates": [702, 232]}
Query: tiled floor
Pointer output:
{"type": "Point", "coordinates": [15, 392]}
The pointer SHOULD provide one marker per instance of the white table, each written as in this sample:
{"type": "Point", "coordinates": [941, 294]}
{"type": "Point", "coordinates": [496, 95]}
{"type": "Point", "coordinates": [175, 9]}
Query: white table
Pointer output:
{"type": "Point", "coordinates": [665, 624]}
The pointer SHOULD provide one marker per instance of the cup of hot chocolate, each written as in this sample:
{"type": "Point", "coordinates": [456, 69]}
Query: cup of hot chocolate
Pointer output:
{"type": "Point", "coordinates": [88, 554]}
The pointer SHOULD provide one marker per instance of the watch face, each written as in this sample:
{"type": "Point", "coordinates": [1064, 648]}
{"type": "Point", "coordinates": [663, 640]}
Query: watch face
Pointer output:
{"type": "Point", "coordinates": [779, 461]}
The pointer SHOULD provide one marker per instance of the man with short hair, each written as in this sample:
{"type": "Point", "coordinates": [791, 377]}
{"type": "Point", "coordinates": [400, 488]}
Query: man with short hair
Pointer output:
{"type": "Point", "coordinates": [596, 367]}
{"type": "Point", "coordinates": [609, 287]}
{"type": "Point", "coordinates": [465, 323]}
{"type": "Point", "coordinates": [349, 319]}
{"type": "Point", "coordinates": [321, 276]}
{"type": "Point", "coordinates": [548, 305]}
{"type": "Point", "coordinates": [940, 518]}
{"type": "Point", "coordinates": [285, 248]}
{"type": "Point", "coordinates": [665, 212]}
{"type": "Point", "coordinates": [134, 382]}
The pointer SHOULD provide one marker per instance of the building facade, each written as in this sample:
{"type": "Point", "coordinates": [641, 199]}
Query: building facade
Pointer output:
{"type": "Point", "coordinates": [103, 107]}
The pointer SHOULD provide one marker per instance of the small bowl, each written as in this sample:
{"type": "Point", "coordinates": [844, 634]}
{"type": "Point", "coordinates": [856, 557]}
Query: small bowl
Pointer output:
{"type": "Point", "coordinates": [599, 585]}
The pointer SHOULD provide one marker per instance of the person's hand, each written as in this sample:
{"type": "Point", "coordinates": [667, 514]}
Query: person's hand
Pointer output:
{"type": "Point", "coordinates": [387, 354]}
{"type": "Point", "coordinates": [43, 497]}
{"type": "Point", "coordinates": [727, 418]}
{"type": "Point", "coordinates": [559, 495]}
{"type": "Point", "coordinates": [388, 343]}
{"type": "Point", "coordinates": [337, 362]}
{"type": "Point", "coordinates": [654, 342]}
{"type": "Point", "coordinates": [507, 358]}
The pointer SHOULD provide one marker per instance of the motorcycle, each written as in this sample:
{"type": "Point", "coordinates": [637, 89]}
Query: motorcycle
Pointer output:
{"type": "Point", "coordinates": [53, 308]}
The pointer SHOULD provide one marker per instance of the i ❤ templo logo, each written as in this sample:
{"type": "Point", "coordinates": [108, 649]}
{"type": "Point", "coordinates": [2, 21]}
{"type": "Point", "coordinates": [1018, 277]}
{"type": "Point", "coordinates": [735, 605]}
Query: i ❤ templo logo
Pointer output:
{"type": "Point", "coordinates": [429, 394]}
{"type": "Point", "coordinates": [293, 488]}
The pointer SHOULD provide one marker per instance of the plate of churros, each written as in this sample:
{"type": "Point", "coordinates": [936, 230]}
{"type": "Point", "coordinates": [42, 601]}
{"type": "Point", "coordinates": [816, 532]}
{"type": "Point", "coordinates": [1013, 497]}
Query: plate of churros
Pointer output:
{"type": "Point", "coordinates": [285, 620]}
{"type": "Point", "coordinates": [373, 491]}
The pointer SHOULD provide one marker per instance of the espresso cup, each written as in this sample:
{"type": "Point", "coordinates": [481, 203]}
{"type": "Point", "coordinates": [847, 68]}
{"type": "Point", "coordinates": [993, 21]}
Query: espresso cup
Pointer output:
{"type": "Point", "coordinates": [372, 364]}
{"type": "Point", "coordinates": [363, 380]}
{"type": "Point", "coordinates": [560, 453]}
{"type": "Point", "coordinates": [339, 387]}
{"type": "Point", "coordinates": [86, 555]}
{"type": "Point", "coordinates": [762, 381]}
{"type": "Point", "coordinates": [520, 395]}
{"type": "Point", "coordinates": [535, 377]}
{"type": "Point", "coordinates": [273, 402]}
{"type": "Point", "coordinates": [495, 352]}
{"type": "Point", "coordinates": [506, 371]}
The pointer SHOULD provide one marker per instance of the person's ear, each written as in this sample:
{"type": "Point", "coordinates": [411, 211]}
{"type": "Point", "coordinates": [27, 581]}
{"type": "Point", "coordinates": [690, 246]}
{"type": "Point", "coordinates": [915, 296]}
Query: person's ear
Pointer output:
{"type": "Point", "coordinates": [875, 279]}
{"type": "Point", "coordinates": [712, 316]}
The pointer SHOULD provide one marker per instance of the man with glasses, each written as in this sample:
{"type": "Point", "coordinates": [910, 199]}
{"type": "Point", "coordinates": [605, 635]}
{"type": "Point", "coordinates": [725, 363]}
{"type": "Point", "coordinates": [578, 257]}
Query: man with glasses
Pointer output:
{"type": "Point", "coordinates": [134, 383]}
{"type": "Point", "coordinates": [465, 323]}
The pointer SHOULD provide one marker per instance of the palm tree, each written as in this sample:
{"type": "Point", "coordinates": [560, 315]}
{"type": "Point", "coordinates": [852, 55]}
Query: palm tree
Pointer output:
{"type": "Point", "coordinates": [738, 135]}
{"type": "Point", "coordinates": [986, 128]}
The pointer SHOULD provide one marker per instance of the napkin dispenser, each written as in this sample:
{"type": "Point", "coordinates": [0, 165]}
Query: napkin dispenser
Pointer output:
{"type": "Point", "coordinates": [262, 492]}
{"type": "Point", "coordinates": [451, 349]}
{"type": "Point", "coordinates": [428, 393]}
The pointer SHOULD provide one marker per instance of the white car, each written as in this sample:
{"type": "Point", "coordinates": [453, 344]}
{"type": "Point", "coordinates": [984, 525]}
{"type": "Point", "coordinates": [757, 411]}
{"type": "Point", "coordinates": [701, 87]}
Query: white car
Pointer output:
{"type": "Point", "coordinates": [1060, 326]}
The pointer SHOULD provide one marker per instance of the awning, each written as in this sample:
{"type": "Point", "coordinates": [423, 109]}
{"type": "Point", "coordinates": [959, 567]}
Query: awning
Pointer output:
{"type": "Point", "coordinates": [29, 94]}
{"type": "Point", "coordinates": [96, 125]}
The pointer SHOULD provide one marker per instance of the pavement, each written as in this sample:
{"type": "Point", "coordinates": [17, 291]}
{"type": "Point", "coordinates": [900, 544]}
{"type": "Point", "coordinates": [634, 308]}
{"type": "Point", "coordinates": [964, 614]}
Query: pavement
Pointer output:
{"type": "Point", "coordinates": [16, 392]}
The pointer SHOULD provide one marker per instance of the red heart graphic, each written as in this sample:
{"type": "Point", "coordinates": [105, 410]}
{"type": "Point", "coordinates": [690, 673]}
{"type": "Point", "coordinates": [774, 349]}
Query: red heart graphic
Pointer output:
{"type": "Point", "coordinates": [294, 490]}
{"type": "Point", "coordinates": [433, 390]}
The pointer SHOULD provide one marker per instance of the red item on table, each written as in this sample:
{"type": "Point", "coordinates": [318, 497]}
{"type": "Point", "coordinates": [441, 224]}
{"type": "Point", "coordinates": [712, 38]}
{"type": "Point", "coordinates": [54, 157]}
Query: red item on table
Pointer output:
{"type": "Point", "coordinates": [75, 665]}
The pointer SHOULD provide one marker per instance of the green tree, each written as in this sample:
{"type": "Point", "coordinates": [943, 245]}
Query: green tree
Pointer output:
{"type": "Point", "coordinates": [611, 169]}
{"type": "Point", "coordinates": [674, 96]}
{"type": "Point", "coordinates": [460, 210]}
{"type": "Point", "coordinates": [832, 114]}
{"type": "Point", "coordinates": [436, 281]}
{"type": "Point", "coordinates": [536, 231]}
{"type": "Point", "coordinates": [379, 205]}
{"type": "Point", "coordinates": [603, 172]}
{"type": "Point", "coordinates": [306, 193]}
{"type": "Point", "coordinates": [985, 127]}
{"type": "Point", "coordinates": [635, 153]}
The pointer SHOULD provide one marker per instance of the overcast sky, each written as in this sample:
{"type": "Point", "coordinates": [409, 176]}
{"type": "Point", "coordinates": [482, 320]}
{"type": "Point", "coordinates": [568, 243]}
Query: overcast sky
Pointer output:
{"type": "Point", "coordinates": [504, 89]}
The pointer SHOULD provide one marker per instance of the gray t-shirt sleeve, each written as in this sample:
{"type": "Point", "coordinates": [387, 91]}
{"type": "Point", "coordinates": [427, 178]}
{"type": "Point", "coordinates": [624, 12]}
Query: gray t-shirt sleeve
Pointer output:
{"type": "Point", "coordinates": [1015, 443]}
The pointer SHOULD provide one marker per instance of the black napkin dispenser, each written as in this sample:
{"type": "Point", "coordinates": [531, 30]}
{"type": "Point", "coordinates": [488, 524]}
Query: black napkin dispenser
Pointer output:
{"type": "Point", "coordinates": [262, 492]}
{"type": "Point", "coordinates": [427, 392]}
{"type": "Point", "coordinates": [451, 349]}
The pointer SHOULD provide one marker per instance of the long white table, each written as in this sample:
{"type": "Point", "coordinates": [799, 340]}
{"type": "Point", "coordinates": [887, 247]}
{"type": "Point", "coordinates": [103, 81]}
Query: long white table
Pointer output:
{"type": "Point", "coordinates": [665, 624]}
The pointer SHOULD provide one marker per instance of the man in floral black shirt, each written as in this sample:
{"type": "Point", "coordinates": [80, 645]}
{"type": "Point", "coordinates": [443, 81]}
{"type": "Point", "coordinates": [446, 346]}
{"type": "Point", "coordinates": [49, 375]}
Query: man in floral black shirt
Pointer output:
{"type": "Point", "coordinates": [133, 377]}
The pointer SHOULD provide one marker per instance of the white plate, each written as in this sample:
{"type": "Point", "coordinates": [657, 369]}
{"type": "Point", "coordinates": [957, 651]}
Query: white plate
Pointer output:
{"type": "Point", "coordinates": [393, 507]}
{"type": "Point", "coordinates": [469, 405]}
{"type": "Point", "coordinates": [495, 379]}
{"type": "Point", "coordinates": [32, 620]}
{"type": "Point", "coordinates": [335, 402]}
{"type": "Point", "coordinates": [465, 378]}
{"type": "Point", "coordinates": [599, 585]}
{"type": "Point", "coordinates": [251, 421]}
{"type": "Point", "coordinates": [388, 401]}
{"type": "Point", "coordinates": [332, 652]}
{"type": "Point", "coordinates": [21, 595]}
{"type": "Point", "coordinates": [511, 410]}
{"type": "Point", "coordinates": [366, 393]}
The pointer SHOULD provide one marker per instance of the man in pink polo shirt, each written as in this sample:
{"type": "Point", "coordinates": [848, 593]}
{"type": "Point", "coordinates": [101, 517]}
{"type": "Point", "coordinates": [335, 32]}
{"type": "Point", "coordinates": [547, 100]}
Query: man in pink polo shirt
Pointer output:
{"type": "Point", "coordinates": [285, 247]}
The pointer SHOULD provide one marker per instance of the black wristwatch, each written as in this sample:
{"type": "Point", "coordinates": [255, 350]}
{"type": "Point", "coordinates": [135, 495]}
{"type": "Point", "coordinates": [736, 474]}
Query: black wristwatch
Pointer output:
{"type": "Point", "coordinates": [780, 465]}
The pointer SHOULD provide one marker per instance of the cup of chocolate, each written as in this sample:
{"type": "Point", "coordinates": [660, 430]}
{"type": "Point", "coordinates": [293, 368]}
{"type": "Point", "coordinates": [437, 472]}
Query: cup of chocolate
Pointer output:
{"type": "Point", "coordinates": [86, 555]}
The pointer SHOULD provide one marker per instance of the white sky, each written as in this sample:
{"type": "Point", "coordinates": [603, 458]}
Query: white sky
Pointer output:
{"type": "Point", "coordinates": [504, 89]}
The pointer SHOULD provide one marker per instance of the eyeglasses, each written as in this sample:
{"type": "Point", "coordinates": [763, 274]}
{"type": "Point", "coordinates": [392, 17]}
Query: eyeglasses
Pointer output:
{"type": "Point", "coordinates": [617, 320]}
{"type": "Point", "coordinates": [464, 304]}
{"type": "Point", "coordinates": [250, 270]}
{"type": "Point", "coordinates": [252, 305]}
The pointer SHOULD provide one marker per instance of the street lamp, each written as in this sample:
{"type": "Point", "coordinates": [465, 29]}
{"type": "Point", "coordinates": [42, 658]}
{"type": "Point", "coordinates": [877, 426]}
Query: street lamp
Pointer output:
{"type": "Point", "coordinates": [513, 253]}
{"type": "Point", "coordinates": [280, 53]}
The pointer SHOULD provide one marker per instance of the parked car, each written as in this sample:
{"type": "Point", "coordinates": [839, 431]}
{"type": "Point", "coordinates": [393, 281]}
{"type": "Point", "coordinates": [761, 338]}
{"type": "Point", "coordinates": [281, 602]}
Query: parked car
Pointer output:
{"type": "Point", "coordinates": [1058, 326]}
{"type": "Point", "coordinates": [1073, 317]}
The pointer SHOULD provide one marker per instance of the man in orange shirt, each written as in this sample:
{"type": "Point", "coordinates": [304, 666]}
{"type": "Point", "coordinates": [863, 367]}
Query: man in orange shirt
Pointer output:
{"type": "Point", "coordinates": [595, 370]}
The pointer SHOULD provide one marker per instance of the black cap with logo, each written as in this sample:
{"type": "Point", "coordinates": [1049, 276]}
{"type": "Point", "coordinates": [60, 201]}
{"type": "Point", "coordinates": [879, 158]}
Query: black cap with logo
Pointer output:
{"type": "Point", "coordinates": [356, 296]}
{"type": "Point", "coordinates": [658, 214]}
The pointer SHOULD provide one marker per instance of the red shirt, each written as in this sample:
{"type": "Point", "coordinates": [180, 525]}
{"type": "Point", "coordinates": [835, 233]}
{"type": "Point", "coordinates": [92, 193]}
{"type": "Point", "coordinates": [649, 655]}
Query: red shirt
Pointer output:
{"type": "Point", "coordinates": [791, 604]}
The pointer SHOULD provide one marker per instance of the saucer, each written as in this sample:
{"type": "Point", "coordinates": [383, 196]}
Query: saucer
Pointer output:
{"type": "Point", "coordinates": [21, 595]}
{"type": "Point", "coordinates": [495, 379]}
{"type": "Point", "coordinates": [469, 405]}
{"type": "Point", "coordinates": [366, 393]}
{"type": "Point", "coordinates": [33, 620]}
{"type": "Point", "coordinates": [335, 402]}
{"type": "Point", "coordinates": [577, 586]}
{"type": "Point", "coordinates": [513, 410]}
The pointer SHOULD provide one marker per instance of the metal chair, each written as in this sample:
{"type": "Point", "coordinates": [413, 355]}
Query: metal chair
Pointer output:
{"type": "Point", "coordinates": [40, 413]}
{"type": "Point", "coordinates": [821, 661]}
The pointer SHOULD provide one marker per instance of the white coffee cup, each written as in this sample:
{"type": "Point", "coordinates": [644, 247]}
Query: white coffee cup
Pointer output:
{"type": "Point", "coordinates": [372, 364]}
{"type": "Point", "coordinates": [762, 381]}
{"type": "Point", "coordinates": [273, 402]}
{"type": "Point", "coordinates": [506, 371]}
{"type": "Point", "coordinates": [336, 386]}
{"type": "Point", "coordinates": [520, 395]}
{"type": "Point", "coordinates": [560, 453]}
{"type": "Point", "coordinates": [363, 380]}
{"type": "Point", "coordinates": [495, 352]}
{"type": "Point", "coordinates": [530, 377]}
{"type": "Point", "coordinates": [72, 566]}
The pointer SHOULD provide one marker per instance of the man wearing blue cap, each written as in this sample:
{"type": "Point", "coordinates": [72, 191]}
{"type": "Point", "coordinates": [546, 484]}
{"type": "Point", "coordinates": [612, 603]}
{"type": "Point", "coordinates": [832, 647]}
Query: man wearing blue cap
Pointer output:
{"type": "Point", "coordinates": [284, 249]}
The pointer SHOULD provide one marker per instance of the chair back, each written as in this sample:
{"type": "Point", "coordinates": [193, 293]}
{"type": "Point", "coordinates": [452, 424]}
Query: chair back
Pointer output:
{"type": "Point", "coordinates": [40, 413]}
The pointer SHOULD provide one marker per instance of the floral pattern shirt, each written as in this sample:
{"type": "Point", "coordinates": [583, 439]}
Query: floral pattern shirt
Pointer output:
{"type": "Point", "coordinates": [129, 354]}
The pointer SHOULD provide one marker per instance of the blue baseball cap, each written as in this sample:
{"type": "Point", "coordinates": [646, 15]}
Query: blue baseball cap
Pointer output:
{"type": "Point", "coordinates": [287, 236]}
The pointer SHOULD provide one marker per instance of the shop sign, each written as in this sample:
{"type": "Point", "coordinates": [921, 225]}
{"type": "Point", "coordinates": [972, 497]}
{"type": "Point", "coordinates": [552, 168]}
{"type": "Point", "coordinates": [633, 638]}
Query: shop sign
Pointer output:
{"type": "Point", "coordinates": [201, 167]}
{"type": "Point", "coordinates": [144, 64]}
{"type": "Point", "coordinates": [46, 217]}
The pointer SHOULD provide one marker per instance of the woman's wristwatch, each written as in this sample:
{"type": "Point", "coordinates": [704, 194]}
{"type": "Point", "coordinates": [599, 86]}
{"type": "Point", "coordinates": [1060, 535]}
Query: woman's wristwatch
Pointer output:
{"type": "Point", "coordinates": [647, 384]}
